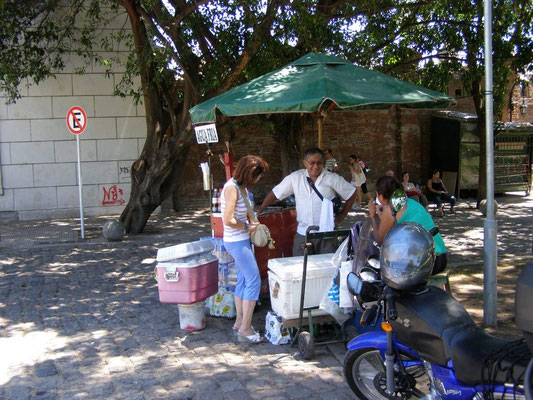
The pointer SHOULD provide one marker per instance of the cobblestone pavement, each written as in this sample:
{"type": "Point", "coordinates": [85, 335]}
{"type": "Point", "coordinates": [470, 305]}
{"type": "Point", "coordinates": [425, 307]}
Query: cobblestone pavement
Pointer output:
{"type": "Point", "coordinates": [81, 319]}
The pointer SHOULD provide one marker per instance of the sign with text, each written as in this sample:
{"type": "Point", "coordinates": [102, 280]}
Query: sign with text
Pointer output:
{"type": "Point", "coordinates": [76, 120]}
{"type": "Point", "coordinates": [206, 134]}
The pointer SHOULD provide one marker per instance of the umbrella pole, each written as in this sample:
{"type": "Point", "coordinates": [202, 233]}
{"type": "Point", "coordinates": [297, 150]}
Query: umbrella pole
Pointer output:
{"type": "Point", "coordinates": [320, 119]}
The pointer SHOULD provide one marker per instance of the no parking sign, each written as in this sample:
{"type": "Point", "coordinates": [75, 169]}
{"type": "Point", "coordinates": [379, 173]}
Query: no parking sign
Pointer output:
{"type": "Point", "coordinates": [76, 124]}
{"type": "Point", "coordinates": [76, 120]}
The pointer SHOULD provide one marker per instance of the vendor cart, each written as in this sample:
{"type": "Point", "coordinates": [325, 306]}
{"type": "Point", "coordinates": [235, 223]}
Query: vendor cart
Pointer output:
{"type": "Point", "coordinates": [306, 339]}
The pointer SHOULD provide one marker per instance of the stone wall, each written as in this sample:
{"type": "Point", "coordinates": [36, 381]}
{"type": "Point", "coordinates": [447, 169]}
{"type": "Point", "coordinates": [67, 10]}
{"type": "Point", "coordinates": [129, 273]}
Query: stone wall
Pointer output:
{"type": "Point", "coordinates": [38, 153]}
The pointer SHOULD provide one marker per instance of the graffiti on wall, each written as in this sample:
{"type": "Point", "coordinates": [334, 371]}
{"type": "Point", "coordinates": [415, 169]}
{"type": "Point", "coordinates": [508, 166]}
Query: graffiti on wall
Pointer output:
{"type": "Point", "coordinates": [112, 196]}
{"type": "Point", "coordinates": [124, 171]}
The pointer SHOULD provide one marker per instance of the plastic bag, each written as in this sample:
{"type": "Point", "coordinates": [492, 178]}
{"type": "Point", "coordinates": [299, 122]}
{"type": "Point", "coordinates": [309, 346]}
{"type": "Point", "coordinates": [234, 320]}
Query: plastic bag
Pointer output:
{"type": "Point", "coordinates": [345, 297]}
{"type": "Point", "coordinates": [332, 307]}
{"type": "Point", "coordinates": [222, 304]}
{"type": "Point", "coordinates": [341, 254]}
{"type": "Point", "coordinates": [274, 330]}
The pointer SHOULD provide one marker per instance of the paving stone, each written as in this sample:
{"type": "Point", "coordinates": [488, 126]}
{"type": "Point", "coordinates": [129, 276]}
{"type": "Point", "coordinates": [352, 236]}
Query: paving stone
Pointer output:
{"type": "Point", "coordinates": [238, 395]}
{"type": "Point", "coordinates": [98, 305]}
{"type": "Point", "coordinates": [210, 395]}
{"type": "Point", "coordinates": [231, 386]}
{"type": "Point", "coordinates": [46, 368]}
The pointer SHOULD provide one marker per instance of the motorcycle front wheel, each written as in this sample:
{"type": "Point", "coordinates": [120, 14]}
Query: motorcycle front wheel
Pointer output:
{"type": "Point", "coordinates": [364, 370]}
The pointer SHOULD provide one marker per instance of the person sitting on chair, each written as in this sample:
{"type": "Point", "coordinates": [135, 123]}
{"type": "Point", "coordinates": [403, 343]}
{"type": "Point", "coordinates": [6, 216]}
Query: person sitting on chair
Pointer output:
{"type": "Point", "coordinates": [413, 192]}
{"type": "Point", "coordinates": [437, 192]}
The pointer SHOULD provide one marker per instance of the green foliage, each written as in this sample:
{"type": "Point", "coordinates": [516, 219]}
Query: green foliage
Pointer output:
{"type": "Point", "coordinates": [222, 43]}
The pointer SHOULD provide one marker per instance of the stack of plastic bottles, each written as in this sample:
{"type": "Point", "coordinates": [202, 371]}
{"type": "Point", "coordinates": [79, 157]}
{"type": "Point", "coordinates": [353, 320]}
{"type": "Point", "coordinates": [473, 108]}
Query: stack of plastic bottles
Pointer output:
{"type": "Point", "coordinates": [222, 304]}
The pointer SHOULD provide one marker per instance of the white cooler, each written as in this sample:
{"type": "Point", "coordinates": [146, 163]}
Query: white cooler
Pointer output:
{"type": "Point", "coordinates": [285, 282]}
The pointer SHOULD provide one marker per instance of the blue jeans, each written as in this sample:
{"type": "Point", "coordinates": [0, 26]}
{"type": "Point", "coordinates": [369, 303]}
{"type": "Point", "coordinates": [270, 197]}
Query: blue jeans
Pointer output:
{"type": "Point", "coordinates": [248, 279]}
{"type": "Point", "coordinates": [443, 196]}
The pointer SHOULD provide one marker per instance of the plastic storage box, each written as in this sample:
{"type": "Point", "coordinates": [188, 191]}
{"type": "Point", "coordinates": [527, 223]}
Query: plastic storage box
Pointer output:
{"type": "Point", "coordinates": [187, 273]}
{"type": "Point", "coordinates": [285, 283]}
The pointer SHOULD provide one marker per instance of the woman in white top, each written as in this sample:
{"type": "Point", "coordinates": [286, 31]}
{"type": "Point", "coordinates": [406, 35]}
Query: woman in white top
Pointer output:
{"type": "Point", "coordinates": [237, 231]}
{"type": "Point", "coordinates": [358, 179]}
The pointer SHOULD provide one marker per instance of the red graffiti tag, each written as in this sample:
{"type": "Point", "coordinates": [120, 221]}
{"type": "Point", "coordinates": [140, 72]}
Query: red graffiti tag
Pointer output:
{"type": "Point", "coordinates": [112, 196]}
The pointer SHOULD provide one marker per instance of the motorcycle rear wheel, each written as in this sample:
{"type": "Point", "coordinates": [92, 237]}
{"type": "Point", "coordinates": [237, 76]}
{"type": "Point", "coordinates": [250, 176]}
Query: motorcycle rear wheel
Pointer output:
{"type": "Point", "coordinates": [361, 367]}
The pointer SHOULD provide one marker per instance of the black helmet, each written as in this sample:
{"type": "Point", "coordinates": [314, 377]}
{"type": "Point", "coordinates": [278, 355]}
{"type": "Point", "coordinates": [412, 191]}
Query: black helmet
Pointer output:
{"type": "Point", "coordinates": [407, 256]}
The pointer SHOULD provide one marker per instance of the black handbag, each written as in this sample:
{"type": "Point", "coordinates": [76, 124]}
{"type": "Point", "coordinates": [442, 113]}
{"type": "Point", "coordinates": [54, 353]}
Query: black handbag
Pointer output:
{"type": "Point", "coordinates": [337, 202]}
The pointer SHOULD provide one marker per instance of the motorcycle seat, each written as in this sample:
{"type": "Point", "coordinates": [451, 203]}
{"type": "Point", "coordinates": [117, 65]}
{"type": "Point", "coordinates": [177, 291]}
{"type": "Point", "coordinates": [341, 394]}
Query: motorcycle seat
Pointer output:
{"type": "Point", "coordinates": [476, 355]}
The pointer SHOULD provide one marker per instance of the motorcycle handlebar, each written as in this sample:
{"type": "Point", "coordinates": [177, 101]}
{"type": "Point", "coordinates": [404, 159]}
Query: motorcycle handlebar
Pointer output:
{"type": "Point", "coordinates": [392, 314]}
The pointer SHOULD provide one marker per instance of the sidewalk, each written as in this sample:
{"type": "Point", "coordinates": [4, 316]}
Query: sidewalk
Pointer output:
{"type": "Point", "coordinates": [81, 319]}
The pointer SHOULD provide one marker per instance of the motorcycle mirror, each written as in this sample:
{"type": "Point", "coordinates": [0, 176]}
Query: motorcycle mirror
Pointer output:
{"type": "Point", "coordinates": [397, 201]}
{"type": "Point", "coordinates": [354, 284]}
{"type": "Point", "coordinates": [373, 262]}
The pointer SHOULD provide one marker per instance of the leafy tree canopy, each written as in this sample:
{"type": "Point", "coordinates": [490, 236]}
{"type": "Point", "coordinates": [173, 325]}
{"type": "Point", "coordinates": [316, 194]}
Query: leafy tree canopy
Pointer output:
{"type": "Point", "coordinates": [186, 51]}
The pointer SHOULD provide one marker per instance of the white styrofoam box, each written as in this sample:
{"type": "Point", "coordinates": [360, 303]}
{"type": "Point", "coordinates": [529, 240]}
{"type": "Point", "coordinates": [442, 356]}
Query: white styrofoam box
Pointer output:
{"type": "Point", "coordinates": [184, 250]}
{"type": "Point", "coordinates": [285, 283]}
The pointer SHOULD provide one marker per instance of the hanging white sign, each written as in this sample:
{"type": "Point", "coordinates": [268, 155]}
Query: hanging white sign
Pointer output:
{"type": "Point", "coordinates": [206, 134]}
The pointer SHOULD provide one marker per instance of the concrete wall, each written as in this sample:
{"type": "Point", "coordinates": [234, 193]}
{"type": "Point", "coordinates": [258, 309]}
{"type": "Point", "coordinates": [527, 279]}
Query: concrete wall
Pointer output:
{"type": "Point", "coordinates": [38, 156]}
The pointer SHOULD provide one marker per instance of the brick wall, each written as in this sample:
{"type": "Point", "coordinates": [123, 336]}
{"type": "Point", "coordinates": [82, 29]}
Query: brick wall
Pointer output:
{"type": "Point", "coordinates": [384, 139]}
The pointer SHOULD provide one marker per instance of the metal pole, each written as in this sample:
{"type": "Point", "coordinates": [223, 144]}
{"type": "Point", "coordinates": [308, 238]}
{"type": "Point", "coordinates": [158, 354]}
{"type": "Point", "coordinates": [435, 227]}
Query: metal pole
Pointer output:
{"type": "Point", "coordinates": [79, 186]}
{"type": "Point", "coordinates": [490, 226]}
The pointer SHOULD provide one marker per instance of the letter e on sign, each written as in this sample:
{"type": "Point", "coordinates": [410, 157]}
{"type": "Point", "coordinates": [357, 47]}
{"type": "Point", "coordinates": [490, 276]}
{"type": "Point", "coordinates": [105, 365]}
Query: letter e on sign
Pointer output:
{"type": "Point", "coordinates": [76, 120]}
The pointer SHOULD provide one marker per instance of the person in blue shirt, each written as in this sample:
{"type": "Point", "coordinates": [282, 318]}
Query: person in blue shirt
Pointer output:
{"type": "Point", "coordinates": [412, 211]}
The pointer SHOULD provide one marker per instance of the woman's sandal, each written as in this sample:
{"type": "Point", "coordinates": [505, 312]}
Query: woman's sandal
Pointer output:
{"type": "Point", "coordinates": [236, 330]}
{"type": "Point", "coordinates": [254, 339]}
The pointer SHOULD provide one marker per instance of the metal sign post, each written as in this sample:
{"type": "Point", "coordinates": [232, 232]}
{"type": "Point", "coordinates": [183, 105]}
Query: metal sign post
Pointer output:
{"type": "Point", "coordinates": [207, 134]}
{"type": "Point", "coordinates": [76, 124]}
{"type": "Point", "coordinates": [490, 281]}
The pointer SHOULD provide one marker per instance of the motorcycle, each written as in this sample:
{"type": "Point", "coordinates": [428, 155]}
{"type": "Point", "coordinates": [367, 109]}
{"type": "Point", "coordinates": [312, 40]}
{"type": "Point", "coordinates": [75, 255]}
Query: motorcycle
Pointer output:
{"type": "Point", "coordinates": [428, 345]}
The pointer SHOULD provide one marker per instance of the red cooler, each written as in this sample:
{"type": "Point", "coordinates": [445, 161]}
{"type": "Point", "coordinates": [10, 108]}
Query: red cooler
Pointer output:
{"type": "Point", "coordinates": [187, 273]}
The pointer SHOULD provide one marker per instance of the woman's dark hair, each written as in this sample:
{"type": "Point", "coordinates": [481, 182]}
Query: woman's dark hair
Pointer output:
{"type": "Point", "coordinates": [403, 173]}
{"type": "Point", "coordinates": [386, 185]}
{"type": "Point", "coordinates": [248, 169]}
{"type": "Point", "coordinates": [353, 157]}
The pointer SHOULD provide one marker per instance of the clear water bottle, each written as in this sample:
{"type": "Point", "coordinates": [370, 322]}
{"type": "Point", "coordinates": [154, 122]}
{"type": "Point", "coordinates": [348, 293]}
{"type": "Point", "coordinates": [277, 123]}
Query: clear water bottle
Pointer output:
{"type": "Point", "coordinates": [251, 199]}
{"type": "Point", "coordinates": [214, 201]}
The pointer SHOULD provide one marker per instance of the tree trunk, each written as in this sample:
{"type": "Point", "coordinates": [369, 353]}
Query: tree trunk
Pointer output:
{"type": "Point", "coordinates": [154, 178]}
{"type": "Point", "coordinates": [289, 135]}
{"type": "Point", "coordinates": [153, 175]}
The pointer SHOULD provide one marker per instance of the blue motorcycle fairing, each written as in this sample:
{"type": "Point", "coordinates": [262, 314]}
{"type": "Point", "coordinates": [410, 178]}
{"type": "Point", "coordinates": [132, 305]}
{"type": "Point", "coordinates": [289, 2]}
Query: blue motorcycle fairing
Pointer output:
{"type": "Point", "coordinates": [453, 389]}
{"type": "Point", "coordinates": [378, 340]}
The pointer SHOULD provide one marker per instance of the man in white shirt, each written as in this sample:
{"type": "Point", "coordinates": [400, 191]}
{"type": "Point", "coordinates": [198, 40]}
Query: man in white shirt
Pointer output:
{"type": "Point", "coordinates": [308, 203]}
{"type": "Point", "coordinates": [330, 164]}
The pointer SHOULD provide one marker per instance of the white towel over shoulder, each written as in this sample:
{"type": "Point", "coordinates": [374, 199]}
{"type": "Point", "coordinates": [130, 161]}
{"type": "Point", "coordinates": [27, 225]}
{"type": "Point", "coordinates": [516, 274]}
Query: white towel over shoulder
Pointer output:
{"type": "Point", "coordinates": [327, 219]}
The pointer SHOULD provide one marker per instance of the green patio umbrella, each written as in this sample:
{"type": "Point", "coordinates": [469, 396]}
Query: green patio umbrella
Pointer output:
{"type": "Point", "coordinates": [318, 83]}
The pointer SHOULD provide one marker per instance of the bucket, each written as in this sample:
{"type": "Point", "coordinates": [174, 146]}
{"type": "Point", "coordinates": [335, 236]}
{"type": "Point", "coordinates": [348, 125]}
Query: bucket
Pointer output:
{"type": "Point", "coordinates": [192, 316]}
